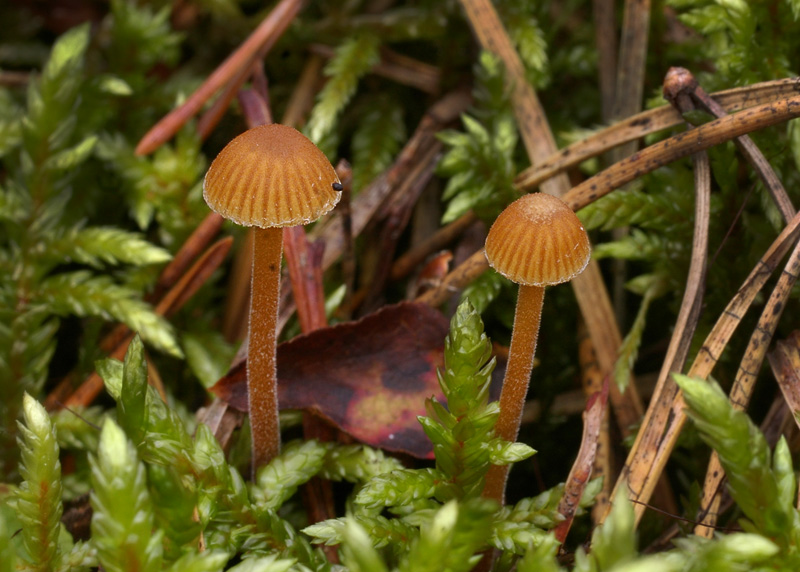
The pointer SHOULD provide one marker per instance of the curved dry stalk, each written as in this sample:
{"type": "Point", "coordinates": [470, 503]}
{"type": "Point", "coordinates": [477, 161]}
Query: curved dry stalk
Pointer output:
{"type": "Point", "coordinates": [689, 312]}
{"type": "Point", "coordinates": [665, 416]}
{"type": "Point", "coordinates": [744, 384]}
{"type": "Point", "coordinates": [581, 470]}
{"type": "Point", "coordinates": [647, 123]}
{"type": "Point", "coordinates": [592, 381]}
{"type": "Point", "coordinates": [681, 145]}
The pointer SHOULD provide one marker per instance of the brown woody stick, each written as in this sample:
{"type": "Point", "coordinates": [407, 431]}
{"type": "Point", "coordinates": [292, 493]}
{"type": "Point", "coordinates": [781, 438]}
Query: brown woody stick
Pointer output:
{"type": "Point", "coordinates": [746, 145]}
{"type": "Point", "coordinates": [592, 382]}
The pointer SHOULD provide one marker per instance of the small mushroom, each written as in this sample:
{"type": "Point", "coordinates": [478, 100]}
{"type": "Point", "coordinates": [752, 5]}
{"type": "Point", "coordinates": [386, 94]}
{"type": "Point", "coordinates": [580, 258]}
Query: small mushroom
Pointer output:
{"type": "Point", "coordinates": [537, 241]}
{"type": "Point", "coordinates": [269, 177]}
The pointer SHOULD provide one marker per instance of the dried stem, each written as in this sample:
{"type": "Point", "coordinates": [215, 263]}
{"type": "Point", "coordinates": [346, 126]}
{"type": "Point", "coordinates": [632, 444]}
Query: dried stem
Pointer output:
{"type": "Point", "coordinates": [647, 123]}
{"type": "Point", "coordinates": [665, 418]}
{"type": "Point", "coordinates": [681, 145]}
{"type": "Point", "coordinates": [744, 383]}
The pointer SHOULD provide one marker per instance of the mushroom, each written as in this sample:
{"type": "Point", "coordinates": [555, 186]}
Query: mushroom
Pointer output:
{"type": "Point", "coordinates": [268, 177]}
{"type": "Point", "coordinates": [536, 241]}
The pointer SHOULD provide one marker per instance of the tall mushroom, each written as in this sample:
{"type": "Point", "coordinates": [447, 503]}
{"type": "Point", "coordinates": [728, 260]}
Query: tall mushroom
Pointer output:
{"type": "Point", "coordinates": [269, 177]}
{"type": "Point", "coordinates": [537, 241]}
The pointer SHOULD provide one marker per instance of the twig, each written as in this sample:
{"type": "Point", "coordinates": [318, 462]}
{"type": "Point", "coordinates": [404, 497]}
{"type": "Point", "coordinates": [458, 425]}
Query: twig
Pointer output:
{"type": "Point", "coordinates": [603, 14]}
{"type": "Point", "coordinates": [592, 382]}
{"type": "Point", "coordinates": [581, 470]}
{"type": "Point", "coordinates": [647, 123]}
{"type": "Point", "coordinates": [746, 145]}
{"type": "Point", "coordinates": [406, 263]}
{"type": "Point", "coordinates": [682, 145]}
{"type": "Point", "coordinates": [689, 313]}
{"type": "Point", "coordinates": [302, 98]}
{"type": "Point", "coordinates": [628, 101]}
{"type": "Point", "coordinates": [745, 380]}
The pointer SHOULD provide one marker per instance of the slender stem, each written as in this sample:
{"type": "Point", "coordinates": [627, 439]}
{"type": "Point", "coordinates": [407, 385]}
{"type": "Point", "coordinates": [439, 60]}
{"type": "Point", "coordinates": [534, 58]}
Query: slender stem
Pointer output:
{"type": "Point", "coordinates": [515, 385]}
{"type": "Point", "coordinates": [262, 379]}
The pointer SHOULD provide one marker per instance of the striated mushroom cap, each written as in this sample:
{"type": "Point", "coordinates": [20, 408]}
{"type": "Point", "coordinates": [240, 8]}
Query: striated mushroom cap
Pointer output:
{"type": "Point", "coordinates": [538, 241]}
{"type": "Point", "coordinates": [271, 176]}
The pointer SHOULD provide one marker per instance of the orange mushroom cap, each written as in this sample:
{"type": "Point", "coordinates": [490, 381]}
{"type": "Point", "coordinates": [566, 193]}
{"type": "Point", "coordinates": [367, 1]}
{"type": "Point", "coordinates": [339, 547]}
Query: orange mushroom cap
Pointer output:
{"type": "Point", "coordinates": [271, 176]}
{"type": "Point", "coordinates": [538, 241]}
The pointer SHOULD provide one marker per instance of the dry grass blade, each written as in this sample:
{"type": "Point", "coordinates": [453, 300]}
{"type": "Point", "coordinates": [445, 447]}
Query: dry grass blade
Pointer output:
{"type": "Point", "coordinates": [692, 300]}
{"type": "Point", "coordinates": [745, 380]}
{"type": "Point", "coordinates": [646, 123]}
{"type": "Point", "coordinates": [682, 145]}
{"type": "Point", "coordinates": [632, 57]}
{"type": "Point", "coordinates": [665, 417]}
{"type": "Point", "coordinates": [603, 14]}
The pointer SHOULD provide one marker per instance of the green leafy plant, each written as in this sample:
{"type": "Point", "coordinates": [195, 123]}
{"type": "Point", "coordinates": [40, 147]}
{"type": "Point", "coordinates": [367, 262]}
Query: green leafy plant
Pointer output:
{"type": "Point", "coordinates": [136, 482]}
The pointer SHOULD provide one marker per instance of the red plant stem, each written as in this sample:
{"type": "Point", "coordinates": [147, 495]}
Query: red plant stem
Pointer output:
{"type": "Point", "coordinates": [262, 386]}
{"type": "Point", "coordinates": [305, 274]}
{"type": "Point", "coordinates": [515, 385]}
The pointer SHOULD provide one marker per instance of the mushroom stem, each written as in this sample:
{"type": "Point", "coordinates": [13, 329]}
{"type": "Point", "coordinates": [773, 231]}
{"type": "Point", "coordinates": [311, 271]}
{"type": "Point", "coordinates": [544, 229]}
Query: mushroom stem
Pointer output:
{"type": "Point", "coordinates": [515, 385]}
{"type": "Point", "coordinates": [262, 379]}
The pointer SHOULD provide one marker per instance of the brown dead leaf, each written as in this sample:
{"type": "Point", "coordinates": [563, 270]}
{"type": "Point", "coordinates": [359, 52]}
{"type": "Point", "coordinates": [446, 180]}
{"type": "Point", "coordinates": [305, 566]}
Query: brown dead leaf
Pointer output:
{"type": "Point", "coordinates": [370, 378]}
